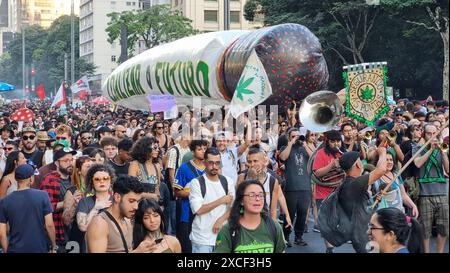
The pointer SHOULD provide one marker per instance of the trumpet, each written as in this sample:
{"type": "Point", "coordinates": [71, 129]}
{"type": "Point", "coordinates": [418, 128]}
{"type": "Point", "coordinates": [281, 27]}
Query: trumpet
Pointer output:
{"type": "Point", "coordinates": [368, 135]}
{"type": "Point", "coordinates": [443, 147]}
{"type": "Point", "coordinates": [392, 136]}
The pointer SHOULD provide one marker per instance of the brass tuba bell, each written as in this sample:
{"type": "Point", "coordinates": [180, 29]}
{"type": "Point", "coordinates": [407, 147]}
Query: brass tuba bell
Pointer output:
{"type": "Point", "coordinates": [320, 111]}
{"type": "Point", "coordinates": [443, 147]}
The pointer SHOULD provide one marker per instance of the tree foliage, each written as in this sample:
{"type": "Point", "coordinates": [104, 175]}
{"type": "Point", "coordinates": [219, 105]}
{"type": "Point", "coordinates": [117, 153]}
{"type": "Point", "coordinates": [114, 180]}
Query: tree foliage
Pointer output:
{"type": "Point", "coordinates": [156, 25]}
{"type": "Point", "coordinates": [353, 32]}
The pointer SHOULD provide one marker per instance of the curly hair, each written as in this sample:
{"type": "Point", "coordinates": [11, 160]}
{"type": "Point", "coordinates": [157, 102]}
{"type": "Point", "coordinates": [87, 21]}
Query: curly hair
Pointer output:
{"type": "Point", "coordinates": [142, 149]}
{"type": "Point", "coordinates": [98, 168]}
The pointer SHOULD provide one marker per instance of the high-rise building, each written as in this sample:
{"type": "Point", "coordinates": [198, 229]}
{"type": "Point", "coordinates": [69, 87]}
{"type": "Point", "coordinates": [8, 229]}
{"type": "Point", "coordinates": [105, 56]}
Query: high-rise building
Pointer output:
{"type": "Point", "coordinates": [94, 45]}
{"type": "Point", "coordinates": [208, 15]}
{"type": "Point", "coordinates": [145, 4]}
{"type": "Point", "coordinates": [23, 13]}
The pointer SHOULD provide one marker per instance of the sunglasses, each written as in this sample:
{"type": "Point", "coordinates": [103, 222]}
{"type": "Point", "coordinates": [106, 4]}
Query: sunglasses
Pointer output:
{"type": "Point", "coordinates": [86, 138]}
{"type": "Point", "coordinates": [159, 127]}
{"type": "Point", "coordinates": [104, 178]}
{"type": "Point", "coordinates": [61, 138]}
{"type": "Point", "coordinates": [8, 148]}
{"type": "Point", "coordinates": [141, 135]}
{"type": "Point", "coordinates": [28, 137]}
{"type": "Point", "coordinates": [155, 147]}
{"type": "Point", "coordinates": [123, 132]}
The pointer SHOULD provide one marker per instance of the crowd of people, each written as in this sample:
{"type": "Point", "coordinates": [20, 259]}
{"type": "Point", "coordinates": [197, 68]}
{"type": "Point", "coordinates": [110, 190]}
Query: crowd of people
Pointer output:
{"type": "Point", "coordinates": [97, 179]}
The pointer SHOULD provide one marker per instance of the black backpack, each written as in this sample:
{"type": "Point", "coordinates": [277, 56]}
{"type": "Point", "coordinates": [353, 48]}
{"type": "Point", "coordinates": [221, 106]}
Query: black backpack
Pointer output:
{"type": "Point", "coordinates": [270, 224]}
{"type": "Point", "coordinates": [335, 225]}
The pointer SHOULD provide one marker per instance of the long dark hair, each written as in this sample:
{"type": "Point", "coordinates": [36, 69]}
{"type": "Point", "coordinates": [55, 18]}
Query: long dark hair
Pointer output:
{"type": "Point", "coordinates": [139, 230]}
{"type": "Point", "coordinates": [235, 209]}
{"type": "Point", "coordinates": [142, 149]}
{"type": "Point", "coordinates": [408, 234]}
{"type": "Point", "coordinates": [10, 164]}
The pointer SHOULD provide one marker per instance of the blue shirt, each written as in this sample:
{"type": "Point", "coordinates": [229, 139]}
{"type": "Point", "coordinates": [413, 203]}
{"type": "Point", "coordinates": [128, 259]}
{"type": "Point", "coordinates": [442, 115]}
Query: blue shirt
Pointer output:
{"type": "Point", "coordinates": [182, 179]}
{"type": "Point", "coordinates": [25, 210]}
{"type": "Point", "coordinates": [402, 250]}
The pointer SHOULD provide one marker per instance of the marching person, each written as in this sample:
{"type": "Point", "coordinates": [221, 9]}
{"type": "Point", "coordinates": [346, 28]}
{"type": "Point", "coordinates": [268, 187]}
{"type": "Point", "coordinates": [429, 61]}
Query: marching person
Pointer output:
{"type": "Point", "coordinates": [433, 195]}
{"type": "Point", "coordinates": [250, 229]}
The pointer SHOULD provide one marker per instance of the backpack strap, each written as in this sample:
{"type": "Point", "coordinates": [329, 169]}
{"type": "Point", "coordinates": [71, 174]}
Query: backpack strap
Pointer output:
{"type": "Point", "coordinates": [224, 182]}
{"type": "Point", "coordinates": [272, 181]}
{"type": "Point", "coordinates": [272, 230]}
{"type": "Point", "coordinates": [125, 245]}
{"type": "Point", "coordinates": [202, 181]}
{"type": "Point", "coordinates": [193, 169]}
{"type": "Point", "coordinates": [177, 165]}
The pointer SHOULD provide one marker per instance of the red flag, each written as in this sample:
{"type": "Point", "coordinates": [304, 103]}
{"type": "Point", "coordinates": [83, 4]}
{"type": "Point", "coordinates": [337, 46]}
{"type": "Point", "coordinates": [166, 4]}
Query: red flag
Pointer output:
{"type": "Point", "coordinates": [41, 92]}
{"type": "Point", "coordinates": [82, 95]}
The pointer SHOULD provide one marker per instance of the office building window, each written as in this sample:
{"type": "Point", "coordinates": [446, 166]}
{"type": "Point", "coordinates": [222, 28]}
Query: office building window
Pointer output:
{"type": "Point", "coordinates": [235, 17]}
{"type": "Point", "coordinates": [113, 58]}
{"type": "Point", "coordinates": [210, 16]}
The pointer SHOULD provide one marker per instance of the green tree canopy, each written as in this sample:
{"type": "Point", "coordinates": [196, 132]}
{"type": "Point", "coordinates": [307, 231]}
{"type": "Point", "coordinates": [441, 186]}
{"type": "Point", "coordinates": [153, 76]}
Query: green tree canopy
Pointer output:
{"type": "Point", "coordinates": [156, 25]}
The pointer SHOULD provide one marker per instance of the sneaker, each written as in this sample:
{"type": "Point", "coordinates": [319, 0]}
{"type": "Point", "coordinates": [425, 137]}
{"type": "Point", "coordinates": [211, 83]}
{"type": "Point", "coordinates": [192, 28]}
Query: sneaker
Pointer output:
{"type": "Point", "coordinates": [288, 244]}
{"type": "Point", "coordinates": [329, 250]}
{"type": "Point", "coordinates": [300, 242]}
{"type": "Point", "coordinates": [316, 229]}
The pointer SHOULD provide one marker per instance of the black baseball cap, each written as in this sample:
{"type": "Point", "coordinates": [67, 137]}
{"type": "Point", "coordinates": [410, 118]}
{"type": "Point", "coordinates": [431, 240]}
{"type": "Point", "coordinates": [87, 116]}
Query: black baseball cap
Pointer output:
{"type": "Point", "coordinates": [61, 153]}
{"type": "Point", "coordinates": [347, 160]}
{"type": "Point", "coordinates": [104, 129]}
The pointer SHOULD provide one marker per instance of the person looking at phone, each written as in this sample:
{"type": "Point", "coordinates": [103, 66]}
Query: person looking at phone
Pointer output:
{"type": "Point", "coordinates": [150, 225]}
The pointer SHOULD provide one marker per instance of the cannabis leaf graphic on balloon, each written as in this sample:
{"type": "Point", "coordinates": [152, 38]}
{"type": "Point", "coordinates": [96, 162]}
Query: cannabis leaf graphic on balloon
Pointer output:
{"type": "Point", "coordinates": [242, 87]}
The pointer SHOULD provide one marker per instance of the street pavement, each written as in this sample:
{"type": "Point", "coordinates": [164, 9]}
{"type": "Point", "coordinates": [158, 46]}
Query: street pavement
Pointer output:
{"type": "Point", "coordinates": [316, 244]}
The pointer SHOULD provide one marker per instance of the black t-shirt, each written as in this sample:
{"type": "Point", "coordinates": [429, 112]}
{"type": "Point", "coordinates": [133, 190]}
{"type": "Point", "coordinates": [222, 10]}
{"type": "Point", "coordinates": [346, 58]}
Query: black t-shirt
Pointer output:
{"type": "Point", "coordinates": [356, 147]}
{"type": "Point", "coordinates": [353, 193]}
{"type": "Point", "coordinates": [35, 156]}
{"type": "Point", "coordinates": [120, 169]}
{"type": "Point", "coordinates": [296, 173]}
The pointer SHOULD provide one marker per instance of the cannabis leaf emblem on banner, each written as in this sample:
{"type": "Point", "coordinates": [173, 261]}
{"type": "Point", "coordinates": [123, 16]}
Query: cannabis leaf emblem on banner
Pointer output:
{"type": "Point", "coordinates": [242, 87]}
{"type": "Point", "coordinates": [367, 93]}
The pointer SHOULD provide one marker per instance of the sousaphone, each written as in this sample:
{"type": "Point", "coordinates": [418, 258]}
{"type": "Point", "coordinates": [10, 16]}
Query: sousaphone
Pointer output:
{"type": "Point", "coordinates": [320, 112]}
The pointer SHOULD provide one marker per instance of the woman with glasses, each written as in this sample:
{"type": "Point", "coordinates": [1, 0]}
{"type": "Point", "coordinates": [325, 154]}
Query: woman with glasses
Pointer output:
{"type": "Point", "coordinates": [250, 229]}
{"type": "Point", "coordinates": [8, 182]}
{"type": "Point", "coordinates": [163, 140]}
{"type": "Point", "coordinates": [143, 167]}
{"type": "Point", "coordinates": [99, 180]}
{"type": "Point", "coordinates": [391, 231]}
{"type": "Point", "coordinates": [150, 224]}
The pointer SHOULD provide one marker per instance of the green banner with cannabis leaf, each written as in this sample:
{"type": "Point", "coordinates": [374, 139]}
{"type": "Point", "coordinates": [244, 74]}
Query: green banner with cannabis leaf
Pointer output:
{"type": "Point", "coordinates": [366, 97]}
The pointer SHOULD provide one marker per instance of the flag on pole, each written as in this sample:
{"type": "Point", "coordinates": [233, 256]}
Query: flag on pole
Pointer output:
{"type": "Point", "coordinates": [60, 97]}
{"type": "Point", "coordinates": [80, 85]}
{"type": "Point", "coordinates": [253, 87]}
{"type": "Point", "coordinates": [41, 92]}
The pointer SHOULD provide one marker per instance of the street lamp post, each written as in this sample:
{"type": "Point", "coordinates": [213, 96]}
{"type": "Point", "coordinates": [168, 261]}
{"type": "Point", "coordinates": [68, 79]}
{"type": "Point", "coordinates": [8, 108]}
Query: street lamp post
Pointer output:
{"type": "Point", "coordinates": [226, 14]}
{"type": "Point", "coordinates": [72, 46]}
{"type": "Point", "coordinates": [23, 62]}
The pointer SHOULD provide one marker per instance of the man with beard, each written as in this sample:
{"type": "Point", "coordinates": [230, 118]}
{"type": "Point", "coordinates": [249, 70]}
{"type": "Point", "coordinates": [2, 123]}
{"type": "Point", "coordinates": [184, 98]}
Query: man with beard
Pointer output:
{"type": "Point", "coordinates": [210, 199]}
{"type": "Point", "coordinates": [56, 185]}
{"type": "Point", "coordinates": [325, 163]}
{"type": "Point", "coordinates": [111, 230]}
{"type": "Point", "coordinates": [29, 148]}
{"type": "Point", "coordinates": [86, 139]}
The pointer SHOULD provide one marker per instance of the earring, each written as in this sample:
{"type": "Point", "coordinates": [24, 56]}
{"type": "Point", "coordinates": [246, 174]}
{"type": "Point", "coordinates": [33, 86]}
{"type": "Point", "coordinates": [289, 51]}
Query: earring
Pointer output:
{"type": "Point", "coordinates": [241, 210]}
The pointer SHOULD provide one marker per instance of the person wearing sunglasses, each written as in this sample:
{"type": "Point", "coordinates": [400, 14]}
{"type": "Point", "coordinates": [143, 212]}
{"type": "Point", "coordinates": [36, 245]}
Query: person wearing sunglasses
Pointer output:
{"type": "Point", "coordinates": [99, 179]}
{"type": "Point", "coordinates": [163, 139]}
{"type": "Point", "coordinates": [8, 182]}
{"type": "Point", "coordinates": [120, 130]}
{"type": "Point", "coordinates": [56, 184]}
{"type": "Point", "coordinates": [86, 139]}
{"type": "Point", "coordinates": [250, 229]}
{"type": "Point", "coordinates": [29, 147]}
